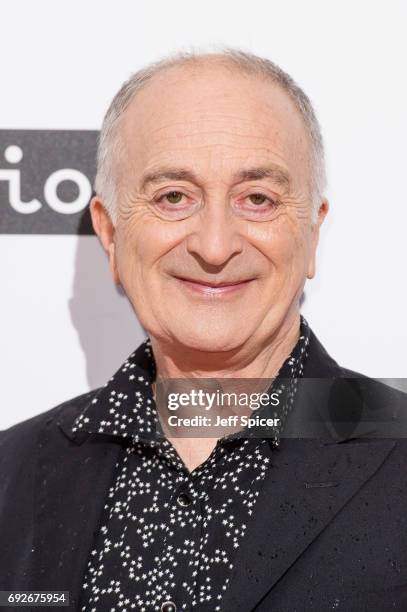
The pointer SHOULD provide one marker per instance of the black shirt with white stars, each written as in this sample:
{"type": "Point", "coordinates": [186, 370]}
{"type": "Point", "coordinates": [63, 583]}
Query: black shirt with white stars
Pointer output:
{"type": "Point", "coordinates": [168, 538]}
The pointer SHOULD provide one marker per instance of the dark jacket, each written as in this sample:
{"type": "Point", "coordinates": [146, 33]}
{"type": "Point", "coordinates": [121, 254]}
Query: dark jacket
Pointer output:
{"type": "Point", "coordinates": [329, 531]}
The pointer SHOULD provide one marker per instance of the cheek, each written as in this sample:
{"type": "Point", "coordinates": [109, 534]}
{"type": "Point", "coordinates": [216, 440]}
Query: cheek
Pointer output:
{"type": "Point", "coordinates": [142, 245]}
{"type": "Point", "coordinates": [130, 251]}
{"type": "Point", "coordinates": [282, 242]}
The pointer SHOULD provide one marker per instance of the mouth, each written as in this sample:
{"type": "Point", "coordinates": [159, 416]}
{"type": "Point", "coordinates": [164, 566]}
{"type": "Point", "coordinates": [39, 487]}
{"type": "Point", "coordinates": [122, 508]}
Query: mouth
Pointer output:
{"type": "Point", "coordinates": [210, 288]}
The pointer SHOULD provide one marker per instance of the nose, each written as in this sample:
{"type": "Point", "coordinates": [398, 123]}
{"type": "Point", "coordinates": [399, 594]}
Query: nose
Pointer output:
{"type": "Point", "coordinates": [215, 237]}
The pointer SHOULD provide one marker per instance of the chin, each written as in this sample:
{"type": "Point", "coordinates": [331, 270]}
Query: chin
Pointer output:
{"type": "Point", "coordinates": [211, 341]}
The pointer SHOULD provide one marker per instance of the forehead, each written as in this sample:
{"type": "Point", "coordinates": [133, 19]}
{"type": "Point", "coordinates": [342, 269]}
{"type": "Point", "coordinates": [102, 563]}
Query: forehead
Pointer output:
{"type": "Point", "coordinates": [217, 118]}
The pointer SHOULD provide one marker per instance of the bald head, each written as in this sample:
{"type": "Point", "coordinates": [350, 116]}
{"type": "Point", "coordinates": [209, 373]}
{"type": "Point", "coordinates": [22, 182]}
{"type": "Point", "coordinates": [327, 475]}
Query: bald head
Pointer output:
{"type": "Point", "coordinates": [166, 79]}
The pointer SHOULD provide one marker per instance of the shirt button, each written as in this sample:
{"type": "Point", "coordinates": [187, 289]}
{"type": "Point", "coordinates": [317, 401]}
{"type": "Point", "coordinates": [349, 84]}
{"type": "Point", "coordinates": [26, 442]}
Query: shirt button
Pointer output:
{"type": "Point", "coordinates": [184, 499]}
{"type": "Point", "coordinates": [168, 606]}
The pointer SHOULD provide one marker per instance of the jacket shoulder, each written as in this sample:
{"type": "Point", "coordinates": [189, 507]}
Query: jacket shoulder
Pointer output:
{"type": "Point", "coordinates": [24, 433]}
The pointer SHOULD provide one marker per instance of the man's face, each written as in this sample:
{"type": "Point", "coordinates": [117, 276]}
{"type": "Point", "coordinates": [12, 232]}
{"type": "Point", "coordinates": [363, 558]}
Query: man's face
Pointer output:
{"type": "Point", "coordinates": [214, 238]}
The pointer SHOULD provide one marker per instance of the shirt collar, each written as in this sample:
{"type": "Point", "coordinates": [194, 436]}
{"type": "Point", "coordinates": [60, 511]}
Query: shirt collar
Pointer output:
{"type": "Point", "coordinates": [125, 406]}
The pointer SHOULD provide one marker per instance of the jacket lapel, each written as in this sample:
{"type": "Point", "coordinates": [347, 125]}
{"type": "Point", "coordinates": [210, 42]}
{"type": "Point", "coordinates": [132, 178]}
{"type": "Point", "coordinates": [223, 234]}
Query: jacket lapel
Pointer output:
{"type": "Point", "coordinates": [74, 473]}
{"type": "Point", "coordinates": [310, 482]}
{"type": "Point", "coordinates": [72, 484]}
{"type": "Point", "coordinates": [311, 479]}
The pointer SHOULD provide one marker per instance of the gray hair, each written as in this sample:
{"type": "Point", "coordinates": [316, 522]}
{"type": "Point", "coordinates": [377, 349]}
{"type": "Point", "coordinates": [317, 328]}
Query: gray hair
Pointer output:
{"type": "Point", "coordinates": [110, 146]}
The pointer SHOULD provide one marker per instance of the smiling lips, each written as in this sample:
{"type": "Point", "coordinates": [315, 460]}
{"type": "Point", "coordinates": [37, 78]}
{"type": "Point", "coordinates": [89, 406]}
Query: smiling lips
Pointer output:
{"type": "Point", "coordinates": [213, 289]}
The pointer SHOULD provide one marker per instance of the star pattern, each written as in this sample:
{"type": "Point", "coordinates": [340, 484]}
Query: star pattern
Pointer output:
{"type": "Point", "coordinates": [168, 535]}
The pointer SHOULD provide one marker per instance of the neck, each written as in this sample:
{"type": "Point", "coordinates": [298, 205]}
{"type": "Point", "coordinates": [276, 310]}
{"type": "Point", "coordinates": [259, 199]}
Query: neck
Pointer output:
{"type": "Point", "coordinates": [257, 360]}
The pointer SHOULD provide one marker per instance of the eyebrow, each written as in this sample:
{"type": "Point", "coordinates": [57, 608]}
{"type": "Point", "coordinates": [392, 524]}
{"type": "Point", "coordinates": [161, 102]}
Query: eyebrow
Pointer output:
{"type": "Point", "coordinates": [272, 171]}
{"type": "Point", "coordinates": [172, 174]}
{"type": "Point", "coordinates": [278, 174]}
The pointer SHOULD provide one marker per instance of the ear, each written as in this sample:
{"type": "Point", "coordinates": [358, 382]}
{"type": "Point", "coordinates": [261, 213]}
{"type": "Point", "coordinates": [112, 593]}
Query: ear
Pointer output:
{"type": "Point", "coordinates": [322, 212]}
{"type": "Point", "coordinates": [105, 230]}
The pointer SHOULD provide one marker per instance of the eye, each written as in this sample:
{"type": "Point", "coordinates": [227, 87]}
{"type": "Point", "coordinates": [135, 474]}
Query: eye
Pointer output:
{"type": "Point", "coordinates": [173, 197]}
{"type": "Point", "coordinates": [256, 206]}
{"type": "Point", "coordinates": [174, 205]}
{"type": "Point", "coordinates": [258, 199]}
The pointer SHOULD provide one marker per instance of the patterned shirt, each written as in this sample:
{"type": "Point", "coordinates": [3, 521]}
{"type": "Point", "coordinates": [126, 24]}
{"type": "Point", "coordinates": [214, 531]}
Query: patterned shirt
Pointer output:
{"type": "Point", "coordinates": [168, 538]}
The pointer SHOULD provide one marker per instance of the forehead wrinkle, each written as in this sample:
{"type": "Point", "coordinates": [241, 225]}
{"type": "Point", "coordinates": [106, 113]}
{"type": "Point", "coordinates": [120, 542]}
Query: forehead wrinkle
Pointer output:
{"type": "Point", "coordinates": [226, 140]}
{"type": "Point", "coordinates": [193, 125]}
{"type": "Point", "coordinates": [208, 124]}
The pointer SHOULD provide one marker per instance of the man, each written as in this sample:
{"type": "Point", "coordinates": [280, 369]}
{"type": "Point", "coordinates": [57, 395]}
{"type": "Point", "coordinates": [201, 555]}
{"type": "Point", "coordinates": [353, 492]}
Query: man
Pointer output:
{"type": "Point", "coordinates": [209, 201]}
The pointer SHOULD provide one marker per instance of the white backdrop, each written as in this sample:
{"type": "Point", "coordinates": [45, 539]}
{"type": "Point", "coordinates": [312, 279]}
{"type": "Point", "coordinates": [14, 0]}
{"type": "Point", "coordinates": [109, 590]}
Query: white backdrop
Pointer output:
{"type": "Point", "coordinates": [64, 327]}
